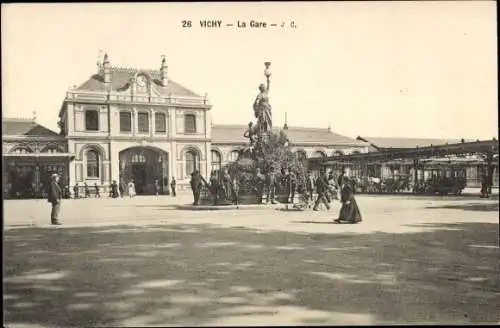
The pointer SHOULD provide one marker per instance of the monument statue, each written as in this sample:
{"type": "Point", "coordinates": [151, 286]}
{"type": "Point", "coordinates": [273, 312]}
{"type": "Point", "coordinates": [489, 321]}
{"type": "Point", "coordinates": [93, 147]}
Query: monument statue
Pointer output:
{"type": "Point", "coordinates": [262, 107]}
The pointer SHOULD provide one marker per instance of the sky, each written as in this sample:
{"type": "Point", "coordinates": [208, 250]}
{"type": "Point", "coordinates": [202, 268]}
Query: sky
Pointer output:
{"type": "Point", "coordinates": [377, 69]}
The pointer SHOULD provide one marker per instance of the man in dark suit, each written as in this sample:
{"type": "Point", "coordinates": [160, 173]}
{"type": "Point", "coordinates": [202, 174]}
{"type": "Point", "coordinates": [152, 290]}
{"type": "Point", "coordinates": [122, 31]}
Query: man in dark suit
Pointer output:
{"type": "Point", "coordinates": [291, 182]}
{"type": "Point", "coordinates": [55, 195]}
{"type": "Point", "coordinates": [309, 187]}
{"type": "Point", "coordinates": [322, 189]}
{"type": "Point", "coordinates": [172, 185]}
{"type": "Point", "coordinates": [259, 181]}
{"type": "Point", "coordinates": [197, 183]}
{"type": "Point", "coordinates": [271, 186]}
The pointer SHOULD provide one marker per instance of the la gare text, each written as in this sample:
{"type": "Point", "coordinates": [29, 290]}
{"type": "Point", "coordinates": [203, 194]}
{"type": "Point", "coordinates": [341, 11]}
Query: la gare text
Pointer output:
{"type": "Point", "coordinates": [241, 24]}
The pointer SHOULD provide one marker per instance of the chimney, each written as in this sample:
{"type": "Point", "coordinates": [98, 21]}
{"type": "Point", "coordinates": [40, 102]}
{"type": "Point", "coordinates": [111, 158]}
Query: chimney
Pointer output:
{"type": "Point", "coordinates": [99, 64]}
{"type": "Point", "coordinates": [329, 128]}
{"type": "Point", "coordinates": [107, 69]}
{"type": "Point", "coordinates": [285, 127]}
{"type": "Point", "coordinates": [163, 71]}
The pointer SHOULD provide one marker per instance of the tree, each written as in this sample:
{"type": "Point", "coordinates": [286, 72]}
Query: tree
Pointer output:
{"type": "Point", "coordinates": [273, 152]}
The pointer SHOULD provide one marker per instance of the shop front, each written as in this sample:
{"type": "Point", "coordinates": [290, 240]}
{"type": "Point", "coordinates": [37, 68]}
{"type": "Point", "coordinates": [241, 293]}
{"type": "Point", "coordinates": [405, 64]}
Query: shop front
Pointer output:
{"type": "Point", "coordinates": [28, 175]}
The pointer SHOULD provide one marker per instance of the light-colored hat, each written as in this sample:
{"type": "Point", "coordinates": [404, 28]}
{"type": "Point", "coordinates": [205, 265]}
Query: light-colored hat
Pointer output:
{"type": "Point", "coordinates": [54, 175]}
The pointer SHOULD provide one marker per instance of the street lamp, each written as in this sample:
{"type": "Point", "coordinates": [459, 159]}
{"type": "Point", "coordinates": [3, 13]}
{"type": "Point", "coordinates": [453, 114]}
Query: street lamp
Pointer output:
{"type": "Point", "coordinates": [267, 71]}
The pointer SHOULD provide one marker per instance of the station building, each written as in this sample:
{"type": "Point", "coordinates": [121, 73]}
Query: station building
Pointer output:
{"type": "Point", "coordinates": [130, 123]}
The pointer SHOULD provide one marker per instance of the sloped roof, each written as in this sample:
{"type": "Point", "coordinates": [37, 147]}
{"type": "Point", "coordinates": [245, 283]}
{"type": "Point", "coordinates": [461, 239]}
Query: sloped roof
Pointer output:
{"type": "Point", "coordinates": [382, 142]}
{"type": "Point", "coordinates": [25, 127]}
{"type": "Point", "coordinates": [298, 135]}
{"type": "Point", "coordinates": [120, 79]}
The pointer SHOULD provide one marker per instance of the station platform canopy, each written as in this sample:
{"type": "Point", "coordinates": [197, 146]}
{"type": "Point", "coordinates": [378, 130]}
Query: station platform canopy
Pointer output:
{"type": "Point", "coordinates": [39, 155]}
{"type": "Point", "coordinates": [440, 153]}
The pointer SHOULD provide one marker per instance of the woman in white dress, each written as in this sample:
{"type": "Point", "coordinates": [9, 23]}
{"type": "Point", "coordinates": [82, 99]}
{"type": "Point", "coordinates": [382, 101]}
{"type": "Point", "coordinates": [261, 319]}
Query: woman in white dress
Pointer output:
{"type": "Point", "coordinates": [131, 188]}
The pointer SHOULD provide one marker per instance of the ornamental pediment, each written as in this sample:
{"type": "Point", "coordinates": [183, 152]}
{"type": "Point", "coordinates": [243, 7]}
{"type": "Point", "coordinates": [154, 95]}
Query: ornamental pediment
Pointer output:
{"type": "Point", "coordinates": [139, 84]}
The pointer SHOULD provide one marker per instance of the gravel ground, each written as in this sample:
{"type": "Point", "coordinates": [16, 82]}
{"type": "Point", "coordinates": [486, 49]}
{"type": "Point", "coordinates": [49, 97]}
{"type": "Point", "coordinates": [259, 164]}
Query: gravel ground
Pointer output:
{"type": "Point", "coordinates": [148, 261]}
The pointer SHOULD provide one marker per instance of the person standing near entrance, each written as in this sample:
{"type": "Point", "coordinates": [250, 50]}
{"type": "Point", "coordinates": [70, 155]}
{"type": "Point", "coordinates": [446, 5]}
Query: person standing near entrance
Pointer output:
{"type": "Point", "coordinates": [157, 187]}
{"type": "Point", "coordinates": [172, 185]}
{"type": "Point", "coordinates": [131, 188]}
{"type": "Point", "coordinates": [55, 195]}
{"type": "Point", "coordinates": [86, 189]}
{"type": "Point", "coordinates": [114, 189]}
{"type": "Point", "coordinates": [76, 191]}
{"type": "Point", "coordinates": [97, 191]}
{"type": "Point", "coordinates": [235, 187]}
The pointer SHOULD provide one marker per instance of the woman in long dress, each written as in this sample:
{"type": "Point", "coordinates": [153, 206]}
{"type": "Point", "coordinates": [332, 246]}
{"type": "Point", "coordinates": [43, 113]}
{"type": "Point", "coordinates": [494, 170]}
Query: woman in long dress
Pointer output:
{"type": "Point", "coordinates": [349, 212]}
{"type": "Point", "coordinates": [131, 188]}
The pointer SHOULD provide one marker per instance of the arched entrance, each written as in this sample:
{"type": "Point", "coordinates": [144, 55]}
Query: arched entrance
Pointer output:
{"type": "Point", "coordinates": [144, 165]}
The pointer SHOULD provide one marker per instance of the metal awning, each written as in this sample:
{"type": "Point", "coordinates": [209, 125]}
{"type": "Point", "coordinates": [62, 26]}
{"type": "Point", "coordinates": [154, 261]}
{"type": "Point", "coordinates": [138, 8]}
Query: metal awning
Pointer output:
{"type": "Point", "coordinates": [39, 155]}
{"type": "Point", "coordinates": [476, 147]}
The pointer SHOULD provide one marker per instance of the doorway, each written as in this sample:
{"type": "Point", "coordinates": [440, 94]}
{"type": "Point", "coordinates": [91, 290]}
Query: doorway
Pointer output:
{"type": "Point", "coordinates": [139, 176]}
{"type": "Point", "coordinates": [145, 165]}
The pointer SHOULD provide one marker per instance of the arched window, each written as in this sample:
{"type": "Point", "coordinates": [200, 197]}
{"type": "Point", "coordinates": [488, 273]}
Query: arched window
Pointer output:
{"type": "Point", "coordinates": [338, 153]}
{"type": "Point", "coordinates": [92, 164]}
{"type": "Point", "coordinates": [216, 160]}
{"type": "Point", "coordinates": [234, 155]}
{"type": "Point", "coordinates": [192, 161]}
{"type": "Point", "coordinates": [138, 158]}
{"type": "Point", "coordinates": [356, 152]}
{"type": "Point", "coordinates": [22, 150]}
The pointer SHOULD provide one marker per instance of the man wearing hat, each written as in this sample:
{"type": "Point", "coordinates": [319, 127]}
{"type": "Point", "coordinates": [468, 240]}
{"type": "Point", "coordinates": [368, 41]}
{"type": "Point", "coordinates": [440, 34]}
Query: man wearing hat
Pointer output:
{"type": "Point", "coordinates": [55, 198]}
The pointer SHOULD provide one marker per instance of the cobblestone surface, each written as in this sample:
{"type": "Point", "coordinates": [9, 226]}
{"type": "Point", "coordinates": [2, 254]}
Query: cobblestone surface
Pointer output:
{"type": "Point", "coordinates": [146, 261]}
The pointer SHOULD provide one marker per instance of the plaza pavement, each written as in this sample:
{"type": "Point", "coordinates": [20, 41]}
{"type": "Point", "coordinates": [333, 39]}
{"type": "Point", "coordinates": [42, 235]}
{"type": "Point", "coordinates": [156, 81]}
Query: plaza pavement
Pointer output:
{"type": "Point", "coordinates": [147, 261]}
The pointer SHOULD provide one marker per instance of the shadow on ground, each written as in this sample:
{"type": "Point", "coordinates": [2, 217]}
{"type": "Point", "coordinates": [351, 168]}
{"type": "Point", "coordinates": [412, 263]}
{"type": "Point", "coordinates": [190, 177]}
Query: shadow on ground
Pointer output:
{"type": "Point", "coordinates": [483, 207]}
{"type": "Point", "coordinates": [198, 274]}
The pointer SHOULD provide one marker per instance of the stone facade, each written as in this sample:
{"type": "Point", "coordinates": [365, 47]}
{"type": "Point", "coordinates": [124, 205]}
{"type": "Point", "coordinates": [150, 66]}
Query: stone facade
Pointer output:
{"type": "Point", "coordinates": [124, 110]}
{"type": "Point", "coordinates": [119, 109]}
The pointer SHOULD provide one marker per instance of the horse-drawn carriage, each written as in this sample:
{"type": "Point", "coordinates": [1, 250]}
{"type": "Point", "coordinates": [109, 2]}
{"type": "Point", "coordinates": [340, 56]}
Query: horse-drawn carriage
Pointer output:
{"type": "Point", "coordinates": [442, 181]}
{"type": "Point", "coordinates": [398, 183]}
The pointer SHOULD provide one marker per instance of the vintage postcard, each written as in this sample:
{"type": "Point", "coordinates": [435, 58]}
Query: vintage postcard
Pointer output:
{"type": "Point", "coordinates": [250, 163]}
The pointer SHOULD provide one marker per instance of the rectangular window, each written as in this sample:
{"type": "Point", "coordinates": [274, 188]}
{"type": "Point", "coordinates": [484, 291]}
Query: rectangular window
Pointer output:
{"type": "Point", "coordinates": [160, 123]}
{"type": "Point", "coordinates": [143, 122]}
{"type": "Point", "coordinates": [125, 122]}
{"type": "Point", "coordinates": [91, 120]}
{"type": "Point", "coordinates": [190, 123]}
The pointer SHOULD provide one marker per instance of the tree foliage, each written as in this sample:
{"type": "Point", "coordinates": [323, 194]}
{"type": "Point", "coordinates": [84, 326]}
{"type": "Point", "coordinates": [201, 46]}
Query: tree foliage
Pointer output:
{"type": "Point", "coordinates": [272, 153]}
